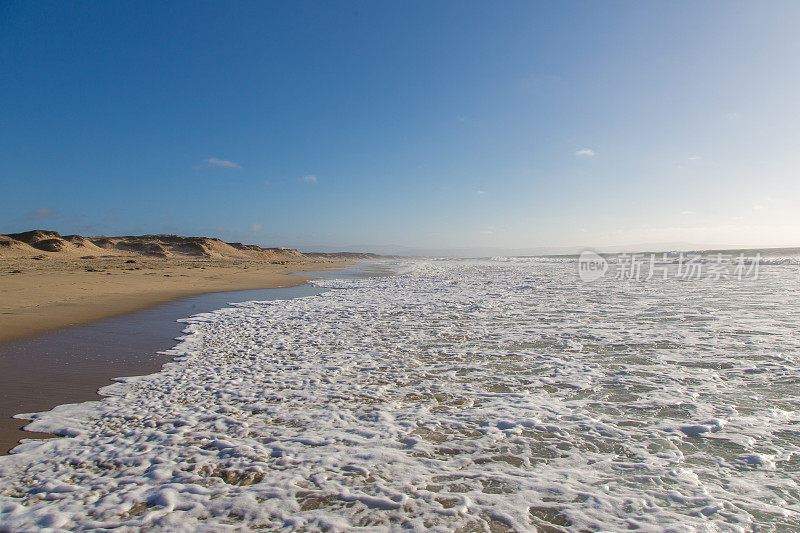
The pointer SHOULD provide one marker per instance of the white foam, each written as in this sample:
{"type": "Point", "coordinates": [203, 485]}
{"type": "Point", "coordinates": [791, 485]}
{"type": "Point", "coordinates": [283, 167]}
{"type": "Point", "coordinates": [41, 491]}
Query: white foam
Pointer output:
{"type": "Point", "coordinates": [461, 394]}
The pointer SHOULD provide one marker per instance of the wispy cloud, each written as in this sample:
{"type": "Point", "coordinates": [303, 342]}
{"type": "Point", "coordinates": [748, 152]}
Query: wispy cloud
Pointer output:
{"type": "Point", "coordinates": [687, 212]}
{"type": "Point", "coordinates": [479, 193]}
{"type": "Point", "coordinates": [42, 213]}
{"type": "Point", "coordinates": [309, 178]}
{"type": "Point", "coordinates": [758, 207]}
{"type": "Point", "coordinates": [695, 158]}
{"type": "Point", "coordinates": [215, 162]}
{"type": "Point", "coordinates": [586, 152]}
{"type": "Point", "coordinates": [255, 228]}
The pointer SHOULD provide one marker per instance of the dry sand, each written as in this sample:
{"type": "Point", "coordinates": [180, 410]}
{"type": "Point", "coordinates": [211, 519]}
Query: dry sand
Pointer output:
{"type": "Point", "coordinates": [56, 291]}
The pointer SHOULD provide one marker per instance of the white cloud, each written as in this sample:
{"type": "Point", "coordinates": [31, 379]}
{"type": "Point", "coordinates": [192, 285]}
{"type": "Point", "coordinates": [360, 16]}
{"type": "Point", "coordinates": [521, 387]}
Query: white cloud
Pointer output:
{"type": "Point", "coordinates": [695, 158]}
{"type": "Point", "coordinates": [758, 207]}
{"type": "Point", "coordinates": [310, 178]}
{"type": "Point", "coordinates": [587, 152]}
{"type": "Point", "coordinates": [214, 162]}
{"type": "Point", "coordinates": [256, 227]}
{"type": "Point", "coordinates": [480, 192]}
{"type": "Point", "coordinates": [687, 212]}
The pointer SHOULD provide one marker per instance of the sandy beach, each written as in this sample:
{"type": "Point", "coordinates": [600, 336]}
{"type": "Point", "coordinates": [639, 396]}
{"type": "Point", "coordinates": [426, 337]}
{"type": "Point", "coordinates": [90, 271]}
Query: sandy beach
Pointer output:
{"type": "Point", "coordinates": [40, 295]}
{"type": "Point", "coordinates": [48, 281]}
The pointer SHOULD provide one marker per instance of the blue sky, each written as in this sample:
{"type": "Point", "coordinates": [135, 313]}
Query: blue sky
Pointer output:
{"type": "Point", "coordinates": [424, 124]}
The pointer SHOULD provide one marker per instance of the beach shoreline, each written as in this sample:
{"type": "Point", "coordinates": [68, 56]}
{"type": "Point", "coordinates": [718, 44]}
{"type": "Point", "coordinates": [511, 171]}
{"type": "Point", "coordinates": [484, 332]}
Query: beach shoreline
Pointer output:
{"type": "Point", "coordinates": [73, 361]}
{"type": "Point", "coordinates": [37, 296]}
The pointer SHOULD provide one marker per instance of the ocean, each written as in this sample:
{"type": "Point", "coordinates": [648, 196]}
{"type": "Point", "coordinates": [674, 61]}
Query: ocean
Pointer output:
{"type": "Point", "coordinates": [503, 394]}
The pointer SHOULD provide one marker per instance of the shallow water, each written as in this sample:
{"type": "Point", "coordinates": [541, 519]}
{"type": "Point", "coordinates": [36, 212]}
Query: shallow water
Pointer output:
{"type": "Point", "coordinates": [458, 395]}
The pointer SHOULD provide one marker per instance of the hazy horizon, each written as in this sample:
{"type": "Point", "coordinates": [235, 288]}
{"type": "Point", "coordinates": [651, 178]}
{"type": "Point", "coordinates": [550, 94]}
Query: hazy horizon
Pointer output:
{"type": "Point", "coordinates": [475, 251]}
{"type": "Point", "coordinates": [405, 125]}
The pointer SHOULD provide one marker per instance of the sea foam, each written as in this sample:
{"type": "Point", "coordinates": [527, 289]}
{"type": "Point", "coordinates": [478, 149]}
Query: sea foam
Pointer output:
{"type": "Point", "coordinates": [459, 395]}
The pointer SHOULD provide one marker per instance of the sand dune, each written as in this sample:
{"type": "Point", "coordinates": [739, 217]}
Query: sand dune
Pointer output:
{"type": "Point", "coordinates": [31, 243]}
